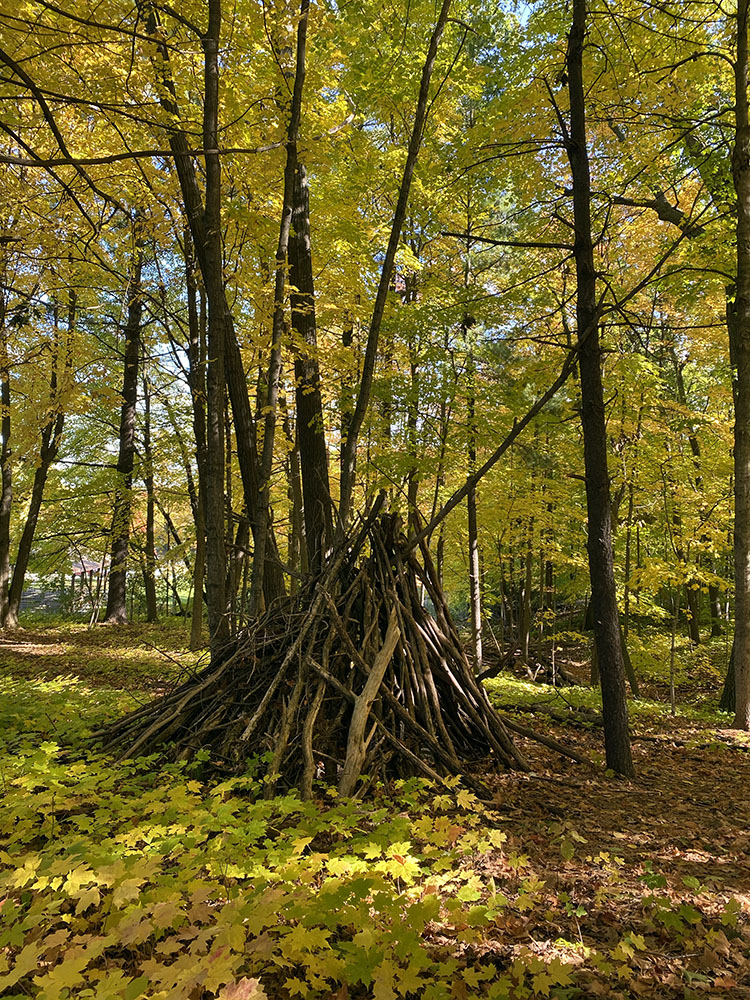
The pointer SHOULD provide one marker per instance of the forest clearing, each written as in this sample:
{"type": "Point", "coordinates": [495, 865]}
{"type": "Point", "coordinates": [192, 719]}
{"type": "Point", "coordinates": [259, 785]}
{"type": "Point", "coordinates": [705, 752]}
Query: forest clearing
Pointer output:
{"type": "Point", "coordinates": [374, 499]}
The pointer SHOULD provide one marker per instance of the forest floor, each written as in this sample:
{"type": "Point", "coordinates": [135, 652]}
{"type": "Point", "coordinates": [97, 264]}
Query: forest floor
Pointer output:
{"type": "Point", "coordinates": [130, 879]}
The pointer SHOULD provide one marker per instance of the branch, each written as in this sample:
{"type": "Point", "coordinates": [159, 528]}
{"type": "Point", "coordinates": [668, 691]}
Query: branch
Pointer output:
{"type": "Point", "coordinates": [664, 210]}
{"type": "Point", "coordinates": [510, 243]}
{"type": "Point", "coordinates": [349, 452]}
{"type": "Point", "coordinates": [518, 425]}
{"type": "Point", "coordinates": [50, 119]}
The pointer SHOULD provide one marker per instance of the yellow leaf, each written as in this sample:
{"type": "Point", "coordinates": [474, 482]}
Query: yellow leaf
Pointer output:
{"type": "Point", "coordinates": [89, 897]}
{"type": "Point", "coordinates": [126, 891]}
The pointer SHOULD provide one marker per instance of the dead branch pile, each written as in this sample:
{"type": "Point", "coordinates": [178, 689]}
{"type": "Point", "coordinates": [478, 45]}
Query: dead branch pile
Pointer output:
{"type": "Point", "coordinates": [353, 676]}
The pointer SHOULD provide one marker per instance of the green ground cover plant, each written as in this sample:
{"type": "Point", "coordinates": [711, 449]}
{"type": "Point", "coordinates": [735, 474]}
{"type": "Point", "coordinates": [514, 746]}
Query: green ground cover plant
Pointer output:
{"type": "Point", "coordinates": [123, 879]}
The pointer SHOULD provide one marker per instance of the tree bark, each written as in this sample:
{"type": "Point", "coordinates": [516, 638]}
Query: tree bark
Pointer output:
{"type": "Point", "coordinates": [149, 560]}
{"type": "Point", "coordinates": [196, 622]}
{"type": "Point", "coordinates": [197, 385]}
{"type": "Point", "coordinates": [714, 602]}
{"type": "Point", "coordinates": [598, 499]}
{"type": "Point", "coordinates": [274, 364]}
{"type": "Point", "coordinates": [6, 471]}
{"type": "Point", "coordinates": [475, 583]}
{"type": "Point", "coordinates": [49, 446]}
{"type": "Point", "coordinates": [313, 453]}
{"type": "Point", "coordinates": [741, 352]}
{"type": "Point", "coordinates": [205, 231]}
{"type": "Point", "coordinates": [728, 700]}
{"type": "Point", "coordinates": [297, 549]}
{"type": "Point", "coordinates": [211, 263]}
{"type": "Point", "coordinates": [117, 611]}
{"type": "Point", "coordinates": [524, 609]}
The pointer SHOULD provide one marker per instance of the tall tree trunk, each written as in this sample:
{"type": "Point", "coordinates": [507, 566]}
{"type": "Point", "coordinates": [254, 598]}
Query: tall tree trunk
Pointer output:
{"type": "Point", "coordinates": [196, 622]}
{"type": "Point", "coordinates": [715, 605]}
{"type": "Point", "coordinates": [692, 600]}
{"type": "Point", "coordinates": [274, 365]}
{"type": "Point", "coordinates": [297, 549]}
{"type": "Point", "coordinates": [313, 453]}
{"type": "Point", "coordinates": [741, 352]}
{"type": "Point", "coordinates": [197, 384]}
{"type": "Point", "coordinates": [412, 427]}
{"type": "Point", "coordinates": [524, 609]}
{"type": "Point", "coordinates": [475, 582]}
{"type": "Point", "coordinates": [149, 560]}
{"type": "Point", "coordinates": [728, 700]}
{"type": "Point", "coordinates": [49, 446]}
{"type": "Point", "coordinates": [205, 229]}
{"type": "Point", "coordinates": [598, 499]}
{"type": "Point", "coordinates": [211, 263]}
{"type": "Point", "coordinates": [6, 472]}
{"type": "Point", "coordinates": [117, 611]}
{"type": "Point", "coordinates": [346, 396]}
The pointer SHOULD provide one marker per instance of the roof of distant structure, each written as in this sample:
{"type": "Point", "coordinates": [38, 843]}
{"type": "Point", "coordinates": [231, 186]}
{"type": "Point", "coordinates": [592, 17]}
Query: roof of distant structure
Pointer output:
{"type": "Point", "coordinates": [85, 566]}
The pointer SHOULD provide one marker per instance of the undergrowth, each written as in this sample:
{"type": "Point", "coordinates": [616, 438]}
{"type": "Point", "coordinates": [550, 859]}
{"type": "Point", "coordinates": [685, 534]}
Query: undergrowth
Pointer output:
{"type": "Point", "coordinates": [134, 879]}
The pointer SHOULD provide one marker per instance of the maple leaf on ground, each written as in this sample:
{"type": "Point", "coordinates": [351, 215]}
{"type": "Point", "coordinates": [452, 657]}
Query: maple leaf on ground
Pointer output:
{"type": "Point", "coordinates": [243, 989]}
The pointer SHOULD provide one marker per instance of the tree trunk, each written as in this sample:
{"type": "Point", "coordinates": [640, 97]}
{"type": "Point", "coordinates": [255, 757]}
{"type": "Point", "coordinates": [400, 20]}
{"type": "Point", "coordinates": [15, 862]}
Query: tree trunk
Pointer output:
{"type": "Point", "coordinates": [297, 548]}
{"type": "Point", "coordinates": [524, 609]}
{"type": "Point", "coordinates": [211, 262]}
{"type": "Point", "coordinates": [149, 561]}
{"type": "Point", "coordinates": [412, 428]}
{"type": "Point", "coordinates": [728, 701]}
{"type": "Point", "coordinates": [196, 622]}
{"type": "Point", "coordinates": [117, 611]}
{"type": "Point", "coordinates": [475, 587]}
{"type": "Point", "coordinates": [715, 605]}
{"type": "Point", "coordinates": [741, 352]}
{"type": "Point", "coordinates": [598, 500]}
{"type": "Point", "coordinates": [197, 383]}
{"type": "Point", "coordinates": [6, 473]}
{"type": "Point", "coordinates": [274, 365]}
{"type": "Point", "coordinates": [205, 230]}
{"type": "Point", "coordinates": [309, 405]}
{"type": "Point", "coordinates": [346, 396]}
{"type": "Point", "coordinates": [49, 446]}
{"type": "Point", "coordinates": [693, 598]}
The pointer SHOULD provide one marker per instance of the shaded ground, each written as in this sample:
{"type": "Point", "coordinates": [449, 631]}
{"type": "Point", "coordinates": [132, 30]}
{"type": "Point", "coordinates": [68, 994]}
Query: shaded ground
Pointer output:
{"type": "Point", "coordinates": [123, 880]}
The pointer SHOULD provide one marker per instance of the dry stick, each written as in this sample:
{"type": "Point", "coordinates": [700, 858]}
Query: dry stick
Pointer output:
{"type": "Point", "coordinates": [288, 715]}
{"type": "Point", "coordinates": [448, 636]}
{"type": "Point", "coordinates": [355, 746]}
{"type": "Point", "coordinates": [309, 620]}
{"type": "Point", "coordinates": [157, 707]}
{"type": "Point", "coordinates": [410, 684]}
{"type": "Point", "coordinates": [161, 723]}
{"type": "Point", "coordinates": [307, 734]}
{"type": "Point", "coordinates": [417, 761]}
{"type": "Point", "coordinates": [429, 680]}
{"type": "Point", "coordinates": [546, 741]}
{"type": "Point", "coordinates": [357, 659]}
{"type": "Point", "coordinates": [416, 668]}
{"type": "Point", "coordinates": [399, 710]}
{"type": "Point", "coordinates": [477, 711]}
